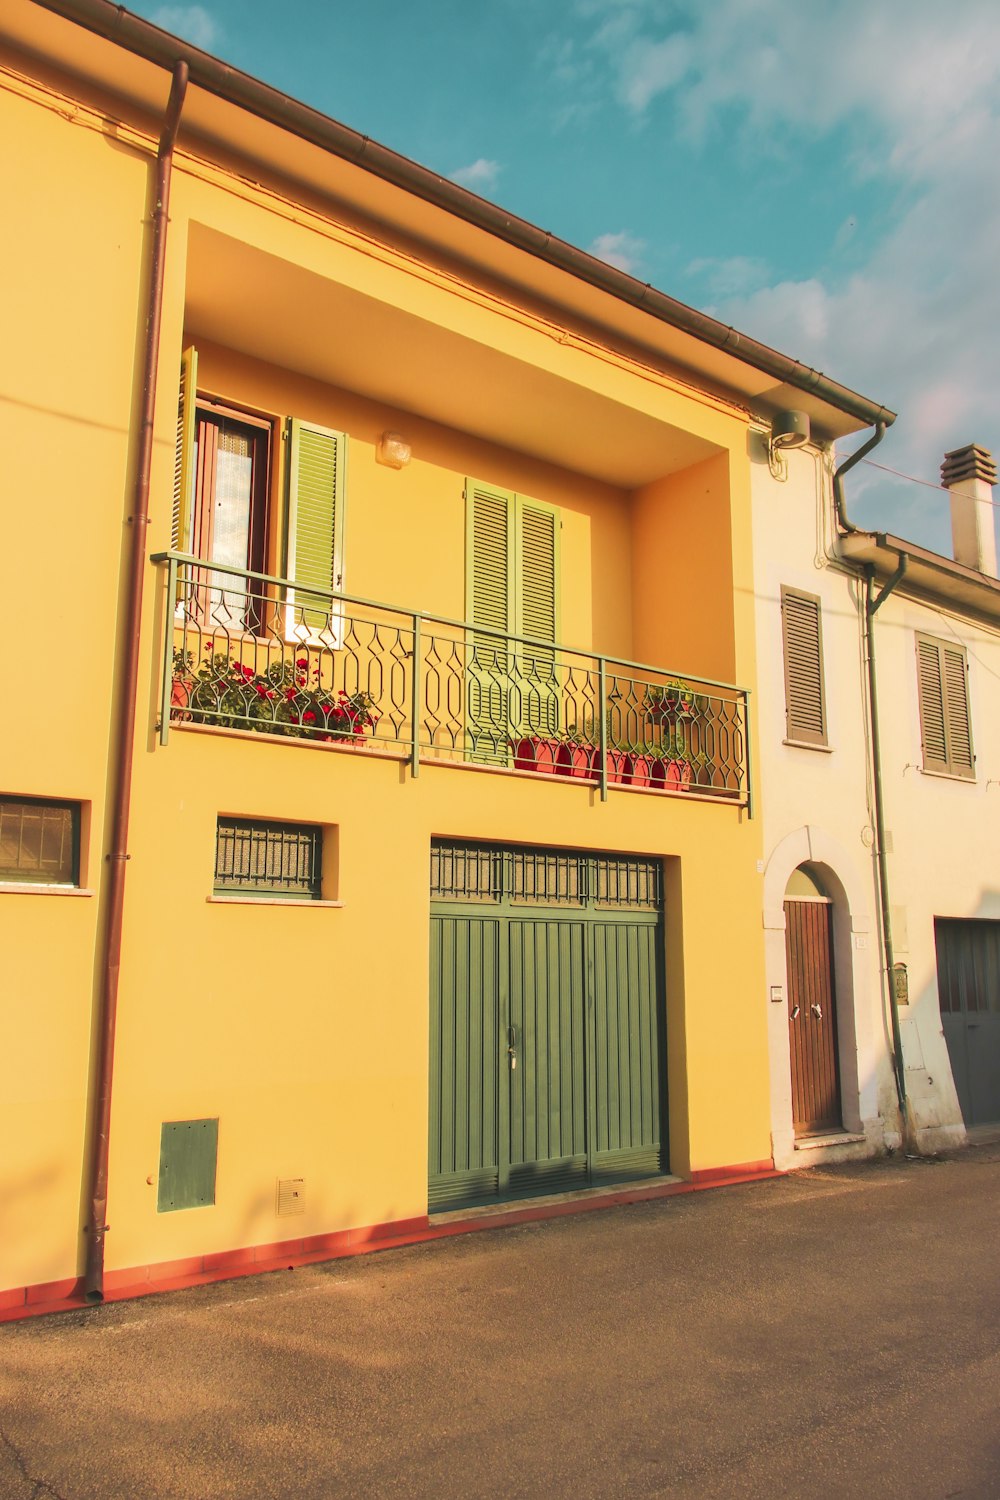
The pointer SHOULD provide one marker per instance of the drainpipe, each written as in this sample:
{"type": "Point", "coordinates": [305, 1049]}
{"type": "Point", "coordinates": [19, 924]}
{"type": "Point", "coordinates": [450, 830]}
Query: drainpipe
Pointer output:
{"type": "Point", "coordinates": [124, 727]}
{"type": "Point", "coordinates": [874, 603]}
{"type": "Point", "coordinates": [840, 508]}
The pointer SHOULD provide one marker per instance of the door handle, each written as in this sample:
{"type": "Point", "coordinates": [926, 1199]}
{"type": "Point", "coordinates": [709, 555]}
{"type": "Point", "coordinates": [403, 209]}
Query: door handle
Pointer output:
{"type": "Point", "coordinates": [817, 1011]}
{"type": "Point", "coordinates": [795, 1012]}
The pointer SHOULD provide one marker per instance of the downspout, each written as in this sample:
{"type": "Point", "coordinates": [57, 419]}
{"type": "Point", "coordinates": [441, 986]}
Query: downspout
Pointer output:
{"type": "Point", "coordinates": [840, 508]}
{"type": "Point", "coordinates": [873, 604]}
{"type": "Point", "coordinates": [124, 726]}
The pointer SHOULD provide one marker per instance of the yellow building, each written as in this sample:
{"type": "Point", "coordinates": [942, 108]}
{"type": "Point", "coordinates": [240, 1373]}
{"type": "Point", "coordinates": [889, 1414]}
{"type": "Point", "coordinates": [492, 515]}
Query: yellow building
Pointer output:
{"type": "Point", "coordinates": [387, 845]}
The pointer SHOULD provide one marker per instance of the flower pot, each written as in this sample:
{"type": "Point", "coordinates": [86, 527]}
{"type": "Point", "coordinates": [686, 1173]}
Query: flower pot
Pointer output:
{"type": "Point", "coordinates": [534, 754]}
{"type": "Point", "coordinates": [641, 773]}
{"type": "Point", "coordinates": [619, 765]}
{"type": "Point", "coordinates": [573, 760]}
{"type": "Point", "coordinates": [677, 777]}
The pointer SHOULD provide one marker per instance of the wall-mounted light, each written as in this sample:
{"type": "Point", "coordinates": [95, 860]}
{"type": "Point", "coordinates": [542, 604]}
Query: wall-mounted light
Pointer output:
{"type": "Point", "coordinates": [789, 429]}
{"type": "Point", "coordinates": [392, 450]}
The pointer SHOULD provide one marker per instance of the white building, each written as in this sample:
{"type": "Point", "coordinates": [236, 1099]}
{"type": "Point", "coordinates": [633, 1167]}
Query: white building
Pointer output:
{"type": "Point", "coordinates": [839, 918]}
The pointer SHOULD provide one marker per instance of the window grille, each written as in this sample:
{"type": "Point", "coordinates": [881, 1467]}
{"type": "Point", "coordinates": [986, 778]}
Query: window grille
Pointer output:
{"type": "Point", "coordinates": [467, 871]}
{"type": "Point", "coordinates": [39, 841]}
{"type": "Point", "coordinates": [268, 859]}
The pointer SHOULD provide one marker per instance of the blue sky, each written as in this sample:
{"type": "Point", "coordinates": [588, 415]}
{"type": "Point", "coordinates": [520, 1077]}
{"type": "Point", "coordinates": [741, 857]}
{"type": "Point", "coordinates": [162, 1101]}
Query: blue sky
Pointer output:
{"type": "Point", "coordinates": [821, 173]}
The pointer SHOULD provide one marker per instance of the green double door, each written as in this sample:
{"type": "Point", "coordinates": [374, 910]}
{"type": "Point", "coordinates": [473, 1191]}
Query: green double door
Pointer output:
{"type": "Point", "coordinates": [547, 1049]}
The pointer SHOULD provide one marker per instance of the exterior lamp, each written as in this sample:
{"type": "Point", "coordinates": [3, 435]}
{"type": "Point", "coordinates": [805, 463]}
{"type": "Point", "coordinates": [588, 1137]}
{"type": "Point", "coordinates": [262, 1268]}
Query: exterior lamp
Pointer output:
{"type": "Point", "coordinates": [789, 429]}
{"type": "Point", "coordinates": [392, 450]}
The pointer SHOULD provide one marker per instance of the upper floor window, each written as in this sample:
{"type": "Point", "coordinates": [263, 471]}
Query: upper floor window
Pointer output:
{"type": "Point", "coordinates": [39, 841]}
{"type": "Point", "coordinates": [802, 641]}
{"type": "Point", "coordinates": [257, 494]}
{"type": "Point", "coordinates": [512, 589]}
{"type": "Point", "coordinates": [945, 726]}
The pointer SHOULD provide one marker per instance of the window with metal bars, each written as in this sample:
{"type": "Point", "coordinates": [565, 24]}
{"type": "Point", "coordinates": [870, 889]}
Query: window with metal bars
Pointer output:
{"type": "Point", "coordinates": [256, 858]}
{"type": "Point", "coordinates": [802, 642]}
{"type": "Point", "coordinates": [945, 726]}
{"type": "Point", "coordinates": [39, 841]}
{"type": "Point", "coordinates": [468, 871]}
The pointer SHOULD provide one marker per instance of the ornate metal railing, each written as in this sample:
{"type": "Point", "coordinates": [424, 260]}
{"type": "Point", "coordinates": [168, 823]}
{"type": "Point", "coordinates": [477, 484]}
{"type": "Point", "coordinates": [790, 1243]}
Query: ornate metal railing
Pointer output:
{"type": "Point", "coordinates": [252, 652]}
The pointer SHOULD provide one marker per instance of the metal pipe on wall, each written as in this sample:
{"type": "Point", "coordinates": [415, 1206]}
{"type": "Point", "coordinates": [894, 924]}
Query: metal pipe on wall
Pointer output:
{"type": "Point", "coordinates": [96, 1227]}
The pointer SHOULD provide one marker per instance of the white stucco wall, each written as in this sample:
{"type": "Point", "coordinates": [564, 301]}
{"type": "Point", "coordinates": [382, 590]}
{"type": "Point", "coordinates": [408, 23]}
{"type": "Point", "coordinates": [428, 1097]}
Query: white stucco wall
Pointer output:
{"type": "Point", "coordinates": [816, 808]}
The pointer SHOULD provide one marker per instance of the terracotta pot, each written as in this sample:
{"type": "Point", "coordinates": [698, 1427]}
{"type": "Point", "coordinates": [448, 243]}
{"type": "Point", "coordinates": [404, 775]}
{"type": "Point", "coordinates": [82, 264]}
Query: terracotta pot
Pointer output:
{"type": "Point", "coordinates": [619, 765]}
{"type": "Point", "coordinates": [642, 770]}
{"type": "Point", "coordinates": [573, 760]}
{"type": "Point", "coordinates": [533, 754]}
{"type": "Point", "coordinates": [677, 776]}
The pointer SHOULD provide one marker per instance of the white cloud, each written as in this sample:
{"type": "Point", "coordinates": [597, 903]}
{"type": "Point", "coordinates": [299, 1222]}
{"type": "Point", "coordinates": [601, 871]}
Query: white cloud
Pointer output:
{"type": "Point", "coordinates": [480, 175]}
{"type": "Point", "coordinates": [621, 250]}
{"type": "Point", "coordinates": [193, 22]}
{"type": "Point", "coordinates": [905, 95]}
{"type": "Point", "coordinates": [728, 276]}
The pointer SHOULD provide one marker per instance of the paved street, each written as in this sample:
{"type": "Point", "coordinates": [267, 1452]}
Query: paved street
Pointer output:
{"type": "Point", "coordinates": [835, 1334]}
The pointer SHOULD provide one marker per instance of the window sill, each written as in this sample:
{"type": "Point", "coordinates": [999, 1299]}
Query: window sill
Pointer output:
{"type": "Point", "coordinates": [808, 745]}
{"type": "Point", "coordinates": [958, 776]}
{"type": "Point", "coordinates": [267, 901]}
{"type": "Point", "coordinates": [33, 888]}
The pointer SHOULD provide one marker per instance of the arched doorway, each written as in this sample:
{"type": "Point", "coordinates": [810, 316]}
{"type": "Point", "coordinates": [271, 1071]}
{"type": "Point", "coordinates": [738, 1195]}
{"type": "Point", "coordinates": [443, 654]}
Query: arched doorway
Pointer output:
{"type": "Point", "coordinates": [812, 1006]}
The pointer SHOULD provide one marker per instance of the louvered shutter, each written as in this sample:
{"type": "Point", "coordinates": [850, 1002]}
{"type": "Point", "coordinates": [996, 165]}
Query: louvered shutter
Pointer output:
{"type": "Point", "coordinates": [803, 649]}
{"type": "Point", "coordinates": [537, 531]}
{"type": "Point", "coordinates": [490, 603]}
{"type": "Point", "coordinates": [315, 526]}
{"type": "Point", "coordinates": [184, 460]}
{"type": "Point", "coordinates": [944, 707]}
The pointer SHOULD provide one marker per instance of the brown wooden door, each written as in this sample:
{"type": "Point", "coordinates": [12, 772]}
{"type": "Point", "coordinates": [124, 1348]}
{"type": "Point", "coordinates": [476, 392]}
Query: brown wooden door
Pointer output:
{"type": "Point", "coordinates": [812, 1017]}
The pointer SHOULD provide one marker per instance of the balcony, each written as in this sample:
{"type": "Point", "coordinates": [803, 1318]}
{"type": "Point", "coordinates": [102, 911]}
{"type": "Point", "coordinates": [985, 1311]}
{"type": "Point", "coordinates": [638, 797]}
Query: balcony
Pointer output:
{"type": "Point", "coordinates": [254, 653]}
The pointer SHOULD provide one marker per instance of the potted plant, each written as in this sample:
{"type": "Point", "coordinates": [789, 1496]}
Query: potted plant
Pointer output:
{"type": "Point", "coordinates": [646, 765]}
{"type": "Point", "coordinates": [676, 764]}
{"type": "Point", "coordinates": [575, 753]}
{"type": "Point", "coordinates": [534, 752]}
{"type": "Point", "coordinates": [228, 693]}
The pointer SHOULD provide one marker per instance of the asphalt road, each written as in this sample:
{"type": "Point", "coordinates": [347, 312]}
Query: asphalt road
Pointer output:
{"type": "Point", "coordinates": [831, 1334]}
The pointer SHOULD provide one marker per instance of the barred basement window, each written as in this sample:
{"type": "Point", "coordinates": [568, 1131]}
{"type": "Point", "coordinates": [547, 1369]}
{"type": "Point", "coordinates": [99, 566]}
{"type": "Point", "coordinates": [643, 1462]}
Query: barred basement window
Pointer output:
{"type": "Point", "coordinates": [802, 640]}
{"type": "Point", "coordinates": [255, 858]}
{"type": "Point", "coordinates": [39, 841]}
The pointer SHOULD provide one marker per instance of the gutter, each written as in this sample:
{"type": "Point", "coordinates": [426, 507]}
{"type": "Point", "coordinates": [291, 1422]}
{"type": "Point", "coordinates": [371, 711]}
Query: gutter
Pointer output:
{"type": "Point", "coordinates": [123, 738]}
{"type": "Point", "coordinates": [161, 48]}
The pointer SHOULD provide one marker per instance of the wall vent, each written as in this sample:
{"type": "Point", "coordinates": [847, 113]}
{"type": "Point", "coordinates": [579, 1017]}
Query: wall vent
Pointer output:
{"type": "Point", "coordinates": [291, 1198]}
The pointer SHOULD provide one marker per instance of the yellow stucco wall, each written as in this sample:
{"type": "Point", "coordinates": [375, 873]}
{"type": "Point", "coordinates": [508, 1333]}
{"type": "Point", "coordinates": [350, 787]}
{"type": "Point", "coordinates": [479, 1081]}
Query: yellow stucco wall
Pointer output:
{"type": "Point", "coordinates": [305, 1030]}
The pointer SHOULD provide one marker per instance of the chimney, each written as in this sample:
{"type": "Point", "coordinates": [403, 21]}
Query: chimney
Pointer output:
{"type": "Point", "coordinates": [969, 475]}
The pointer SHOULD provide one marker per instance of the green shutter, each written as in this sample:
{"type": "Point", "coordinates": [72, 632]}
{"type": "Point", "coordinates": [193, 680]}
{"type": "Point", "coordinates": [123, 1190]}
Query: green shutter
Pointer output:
{"type": "Point", "coordinates": [180, 528]}
{"type": "Point", "coordinates": [537, 613]}
{"type": "Point", "coordinates": [512, 584]}
{"type": "Point", "coordinates": [315, 521]}
{"type": "Point", "coordinates": [490, 602]}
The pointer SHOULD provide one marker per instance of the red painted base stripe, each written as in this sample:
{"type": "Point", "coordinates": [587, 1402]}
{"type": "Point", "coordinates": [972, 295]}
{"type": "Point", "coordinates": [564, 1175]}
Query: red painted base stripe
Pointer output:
{"type": "Point", "coordinates": [256, 1260]}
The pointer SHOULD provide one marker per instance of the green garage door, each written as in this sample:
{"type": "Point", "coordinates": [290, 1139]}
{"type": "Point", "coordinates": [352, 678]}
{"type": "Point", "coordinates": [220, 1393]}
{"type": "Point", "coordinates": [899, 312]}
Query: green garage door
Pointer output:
{"type": "Point", "coordinates": [547, 1055]}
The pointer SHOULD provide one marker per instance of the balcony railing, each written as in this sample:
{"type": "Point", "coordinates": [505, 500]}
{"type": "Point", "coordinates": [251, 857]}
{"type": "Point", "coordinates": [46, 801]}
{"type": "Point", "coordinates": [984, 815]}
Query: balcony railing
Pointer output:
{"type": "Point", "coordinates": [251, 652]}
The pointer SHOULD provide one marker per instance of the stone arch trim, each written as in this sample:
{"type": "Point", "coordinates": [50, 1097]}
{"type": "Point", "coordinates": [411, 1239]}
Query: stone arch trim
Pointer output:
{"type": "Point", "coordinates": [812, 845]}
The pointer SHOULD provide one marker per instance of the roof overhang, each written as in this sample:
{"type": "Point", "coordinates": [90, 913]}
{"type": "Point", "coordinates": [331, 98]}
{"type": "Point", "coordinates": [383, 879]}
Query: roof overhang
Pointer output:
{"type": "Point", "coordinates": [241, 119]}
{"type": "Point", "coordinates": [929, 576]}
